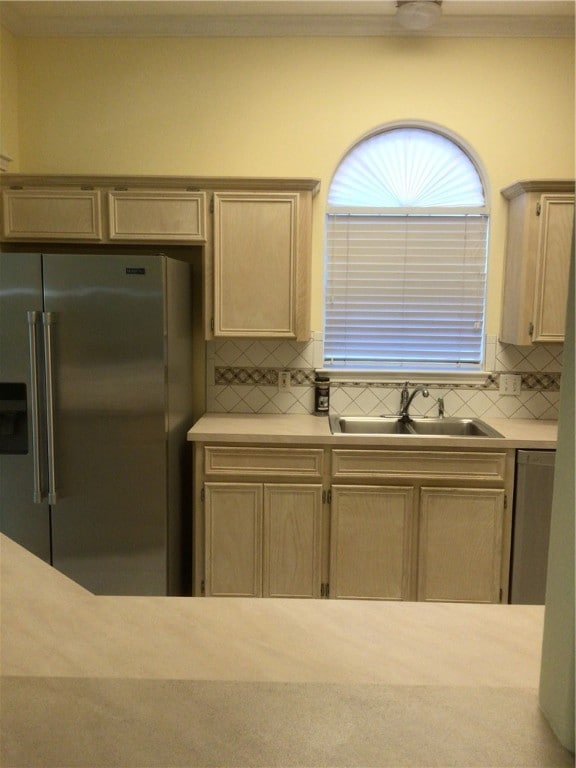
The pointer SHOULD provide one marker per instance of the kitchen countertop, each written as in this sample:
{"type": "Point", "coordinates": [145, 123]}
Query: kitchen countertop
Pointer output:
{"type": "Point", "coordinates": [299, 429]}
{"type": "Point", "coordinates": [176, 682]}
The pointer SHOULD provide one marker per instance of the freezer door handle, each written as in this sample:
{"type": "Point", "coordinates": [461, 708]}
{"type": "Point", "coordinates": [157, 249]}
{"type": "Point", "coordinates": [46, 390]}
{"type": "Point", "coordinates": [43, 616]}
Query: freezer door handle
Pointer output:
{"type": "Point", "coordinates": [49, 320]}
{"type": "Point", "coordinates": [33, 321]}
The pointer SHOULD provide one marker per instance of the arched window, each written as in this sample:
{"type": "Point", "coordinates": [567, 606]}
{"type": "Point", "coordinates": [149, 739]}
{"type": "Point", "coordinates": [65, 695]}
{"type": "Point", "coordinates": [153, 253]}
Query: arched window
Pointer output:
{"type": "Point", "coordinates": [407, 227]}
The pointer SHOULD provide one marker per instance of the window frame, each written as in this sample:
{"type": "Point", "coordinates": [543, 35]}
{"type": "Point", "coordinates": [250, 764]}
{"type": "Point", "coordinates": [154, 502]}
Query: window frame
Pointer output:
{"type": "Point", "coordinates": [472, 371]}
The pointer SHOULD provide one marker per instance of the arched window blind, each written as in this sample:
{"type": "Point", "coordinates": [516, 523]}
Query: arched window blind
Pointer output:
{"type": "Point", "coordinates": [407, 232]}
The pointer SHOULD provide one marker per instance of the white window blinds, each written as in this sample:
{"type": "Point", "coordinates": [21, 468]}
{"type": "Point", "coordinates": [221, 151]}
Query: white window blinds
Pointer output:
{"type": "Point", "coordinates": [407, 231]}
{"type": "Point", "coordinates": [405, 291]}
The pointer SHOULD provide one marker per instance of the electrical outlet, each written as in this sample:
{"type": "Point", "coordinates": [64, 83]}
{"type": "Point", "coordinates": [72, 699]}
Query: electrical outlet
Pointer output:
{"type": "Point", "coordinates": [283, 381]}
{"type": "Point", "coordinates": [510, 383]}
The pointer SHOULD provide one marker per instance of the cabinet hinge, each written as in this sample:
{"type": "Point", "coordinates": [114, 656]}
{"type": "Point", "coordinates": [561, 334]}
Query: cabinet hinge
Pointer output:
{"type": "Point", "coordinates": [501, 594]}
{"type": "Point", "coordinates": [531, 329]}
{"type": "Point", "coordinates": [505, 501]}
{"type": "Point", "coordinates": [324, 590]}
{"type": "Point", "coordinates": [211, 323]}
{"type": "Point", "coordinates": [202, 495]}
{"type": "Point", "coordinates": [203, 587]}
{"type": "Point", "coordinates": [211, 203]}
{"type": "Point", "coordinates": [326, 497]}
{"type": "Point", "coordinates": [538, 209]}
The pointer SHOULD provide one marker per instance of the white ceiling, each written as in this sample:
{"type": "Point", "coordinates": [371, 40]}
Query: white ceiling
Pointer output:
{"type": "Point", "coordinates": [205, 18]}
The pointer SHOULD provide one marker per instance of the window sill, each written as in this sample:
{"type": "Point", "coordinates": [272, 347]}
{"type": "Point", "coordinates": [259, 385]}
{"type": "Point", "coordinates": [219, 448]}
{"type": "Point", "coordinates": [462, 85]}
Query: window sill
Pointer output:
{"type": "Point", "coordinates": [362, 376]}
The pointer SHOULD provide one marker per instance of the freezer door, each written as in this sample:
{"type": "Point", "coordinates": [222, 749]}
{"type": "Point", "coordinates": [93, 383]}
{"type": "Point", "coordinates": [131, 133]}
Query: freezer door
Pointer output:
{"type": "Point", "coordinates": [105, 335]}
{"type": "Point", "coordinates": [24, 512]}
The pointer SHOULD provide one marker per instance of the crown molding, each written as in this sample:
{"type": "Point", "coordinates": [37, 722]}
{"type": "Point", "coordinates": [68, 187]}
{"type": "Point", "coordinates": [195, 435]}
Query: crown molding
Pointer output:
{"type": "Point", "coordinates": [76, 181]}
{"type": "Point", "coordinates": [282, 18]}
{"type": "Point", "coordinates": [560, 186]}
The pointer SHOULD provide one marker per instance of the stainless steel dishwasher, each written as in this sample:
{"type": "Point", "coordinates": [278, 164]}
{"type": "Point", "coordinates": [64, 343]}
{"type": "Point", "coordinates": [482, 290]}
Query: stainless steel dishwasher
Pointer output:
{"type": "Point", "coordinates": [531, 527]}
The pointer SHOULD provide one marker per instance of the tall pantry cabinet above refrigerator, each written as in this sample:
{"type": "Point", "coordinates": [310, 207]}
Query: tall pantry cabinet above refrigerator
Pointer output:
{"type": "Point", "coordinates": [95, 400]}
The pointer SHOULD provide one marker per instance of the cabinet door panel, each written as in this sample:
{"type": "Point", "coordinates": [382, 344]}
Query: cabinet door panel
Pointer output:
{"type": "Point", "coordinates": [292, 540]}
{"type": "Point", "coordinates": [371, 533]}
{"type": "Point", "coordinates": [233, 539]}
{"type": "Point", "coordinates": [554, 248]}
{"type": "Point", "coordinates": [372, 465]}
{"type": "Point", "coordinates": [226, 461]}
{"type": "Point", "coordinates": [255, 263]}
{"type": "Point", "coordinates": [158, 216]}
{"type": "Point", "coordinates": [44, 214]}
{"type": "Point", "coordinates": [460, 544]}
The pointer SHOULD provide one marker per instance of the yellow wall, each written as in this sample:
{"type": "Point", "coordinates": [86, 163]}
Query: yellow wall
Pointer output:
{"type": "Point", "coordinates": [292, 106]}
{"type": "Point", "coordinates": [9, 139]}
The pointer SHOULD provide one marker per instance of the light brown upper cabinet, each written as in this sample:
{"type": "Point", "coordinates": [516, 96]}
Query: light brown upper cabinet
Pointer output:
{"type": "Point", "coordinates": [261, 265]}
{"type": "Point", "coordinates": [157, 216]}
{"type": "Point", "coordinates": [256, 256]}
{"type": "Point", "coordinates": [90, 211]}
{"type": "Point", "coordinates": [540, 228]}
{"type": "Point", "coordinates": [61, 214]}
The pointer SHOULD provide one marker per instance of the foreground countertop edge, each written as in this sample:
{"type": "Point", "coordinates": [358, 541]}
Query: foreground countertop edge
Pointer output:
{"type": "Point", "coordinates": [303, 429]}
{"type": "Point", "coordinates": [111, 666]}
{"type": "Point", "coordinates": [52, 627]}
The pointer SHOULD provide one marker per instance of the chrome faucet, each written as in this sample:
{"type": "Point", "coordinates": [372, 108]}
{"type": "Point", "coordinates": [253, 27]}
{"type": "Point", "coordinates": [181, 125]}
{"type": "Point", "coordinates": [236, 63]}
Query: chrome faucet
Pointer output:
{"type": "Point", "coordinates": [406, 399]}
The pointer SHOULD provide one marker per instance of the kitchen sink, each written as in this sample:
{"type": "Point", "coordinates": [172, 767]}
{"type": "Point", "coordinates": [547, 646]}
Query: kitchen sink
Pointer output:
{"type": "Point", "coordinates": [391, 425]}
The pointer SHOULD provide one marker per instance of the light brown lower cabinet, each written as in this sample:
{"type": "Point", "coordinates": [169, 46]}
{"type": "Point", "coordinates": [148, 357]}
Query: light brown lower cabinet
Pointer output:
{"type": "Point", "coordinates": [429, 525]}
{"type": "Point", "coordinates": [263, 539]}
{"type": "Point", "coordinates": [455, 553]}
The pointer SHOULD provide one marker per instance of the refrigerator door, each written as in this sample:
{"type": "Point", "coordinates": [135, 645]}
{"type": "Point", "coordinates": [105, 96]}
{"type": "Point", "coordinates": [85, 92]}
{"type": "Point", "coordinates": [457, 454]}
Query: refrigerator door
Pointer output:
{"type": "Point", "coordinates": [105, 335]}
{"type": "Point", "coordinates": [24, 511]}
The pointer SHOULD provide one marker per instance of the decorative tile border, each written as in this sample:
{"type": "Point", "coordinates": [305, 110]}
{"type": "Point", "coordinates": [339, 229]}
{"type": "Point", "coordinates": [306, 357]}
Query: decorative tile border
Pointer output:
{"type": "Point", "coordinates": [257, 376]}
{"type": "Point", "coordinates": [305, 377]}
{"type": "Point", "coordinates": [263, 376]}
{"type": "Point", "coordinates": [549, 382]}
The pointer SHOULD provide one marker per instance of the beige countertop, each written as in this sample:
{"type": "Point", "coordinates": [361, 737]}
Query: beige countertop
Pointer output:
{"type": "Point", "coordinates": [53, 627]}
{"type": "Point", "coordinates": [152, 681]}
{"type": "Point", "coordinates": [299, 429]}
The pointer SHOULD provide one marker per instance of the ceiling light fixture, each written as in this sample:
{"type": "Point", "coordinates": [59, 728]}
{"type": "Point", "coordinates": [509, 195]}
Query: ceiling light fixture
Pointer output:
{"type": "Point", "coordinates": [418, 14]}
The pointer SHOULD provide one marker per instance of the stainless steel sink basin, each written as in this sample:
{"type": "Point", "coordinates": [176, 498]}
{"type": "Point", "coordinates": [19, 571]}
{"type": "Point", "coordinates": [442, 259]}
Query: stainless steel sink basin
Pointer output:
{"type": "Point", "coordinates": [367, 425]}
{"type": "Point", "coordinates": [453, 426]}
{"type": "Point", "coordinates": [390, 425]}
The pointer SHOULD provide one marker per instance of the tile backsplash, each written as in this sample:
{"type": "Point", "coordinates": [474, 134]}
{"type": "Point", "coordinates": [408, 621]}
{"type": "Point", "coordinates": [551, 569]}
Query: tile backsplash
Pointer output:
{"type": "Point", "coordinates": [242, 377]}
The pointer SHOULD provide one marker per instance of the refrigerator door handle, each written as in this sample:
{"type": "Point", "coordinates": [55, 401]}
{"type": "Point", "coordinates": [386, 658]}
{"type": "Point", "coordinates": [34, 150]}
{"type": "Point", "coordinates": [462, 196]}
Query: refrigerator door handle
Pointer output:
{"type": "Point", "coordinates": [48, 320]}
{"type": "Point", "coordinates": [33, 321]}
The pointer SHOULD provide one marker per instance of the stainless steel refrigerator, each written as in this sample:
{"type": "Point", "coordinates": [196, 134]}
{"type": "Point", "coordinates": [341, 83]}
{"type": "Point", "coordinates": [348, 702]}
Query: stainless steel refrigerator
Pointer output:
{"type": "Point", "coordinates": [95, 400]}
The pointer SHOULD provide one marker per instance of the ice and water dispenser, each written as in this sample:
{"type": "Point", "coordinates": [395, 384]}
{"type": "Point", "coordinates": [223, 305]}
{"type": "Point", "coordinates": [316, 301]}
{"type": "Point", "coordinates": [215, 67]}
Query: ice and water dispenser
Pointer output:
{"type": "Point", "coordinates": [13, 418]}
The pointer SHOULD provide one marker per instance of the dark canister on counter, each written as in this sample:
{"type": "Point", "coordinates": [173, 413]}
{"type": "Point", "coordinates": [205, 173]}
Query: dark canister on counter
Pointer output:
{"type": "Point", "coordinates": [321, 395]}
